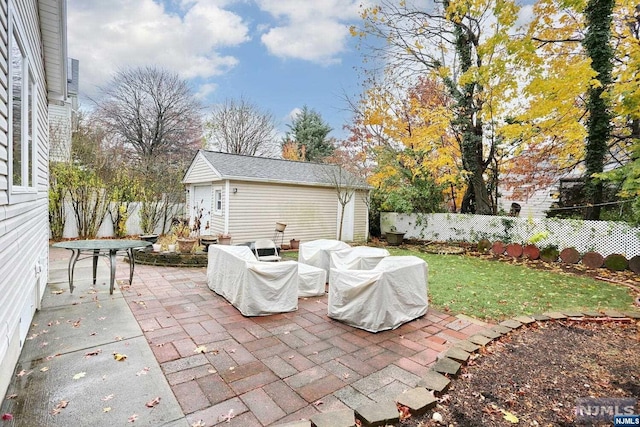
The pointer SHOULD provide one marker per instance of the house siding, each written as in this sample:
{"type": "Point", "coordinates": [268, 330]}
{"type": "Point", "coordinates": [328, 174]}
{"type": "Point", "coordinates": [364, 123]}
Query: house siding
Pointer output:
{"type": "Point", "coordinates": [23, 225]}
{"type": "Point", "coordinates": [199, 172]}
{"type": "Point", "coordinates": [534, 206]}
{"type": "Point", "coordinates": [309, 212]}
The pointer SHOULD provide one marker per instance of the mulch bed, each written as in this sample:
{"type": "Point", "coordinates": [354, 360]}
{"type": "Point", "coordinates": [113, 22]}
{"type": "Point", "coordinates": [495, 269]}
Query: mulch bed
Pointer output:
{"type": "Point", "coordinates": [536, 374]}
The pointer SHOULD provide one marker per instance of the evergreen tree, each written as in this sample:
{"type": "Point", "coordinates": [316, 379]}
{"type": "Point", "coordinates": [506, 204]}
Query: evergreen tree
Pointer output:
{"type": "Point", "coordinates": [310, 131]}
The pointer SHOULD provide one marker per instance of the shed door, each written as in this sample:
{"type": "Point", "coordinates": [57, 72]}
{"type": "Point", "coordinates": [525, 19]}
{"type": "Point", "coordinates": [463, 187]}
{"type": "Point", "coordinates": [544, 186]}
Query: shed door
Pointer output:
{"type": "Point", "coordinates": [202, 198]}
{"type": "Point", "coordinates": [348, 223]}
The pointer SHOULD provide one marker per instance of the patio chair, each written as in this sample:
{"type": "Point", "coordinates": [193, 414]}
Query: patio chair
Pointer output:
{"type": "Point", "coordinates": [254, 288]}
{"type": "Point", "coordinates": [357, 258]}
{"type": "Point", "coordinates": [266, 246]}
{"type": "Point", "coordinates": [317, 252]}
{"type": "Point", "coordinates": [392, 293]}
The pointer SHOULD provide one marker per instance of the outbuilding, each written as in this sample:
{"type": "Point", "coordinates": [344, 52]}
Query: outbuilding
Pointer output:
{"type": "Point", "coordinates": [245, 196]}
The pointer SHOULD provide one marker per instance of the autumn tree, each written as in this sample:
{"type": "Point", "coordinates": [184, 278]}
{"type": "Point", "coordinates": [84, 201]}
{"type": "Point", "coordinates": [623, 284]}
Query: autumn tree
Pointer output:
{"type": "Point", "coordinates": [240, 127]}
{"type": "Point", "coordinates": [465, 46]}
{"type": "Point", "coordinates": [410, 148]}
{"type": "Point", "coordinates": [307, 129]}
{"type": "Point", "coordinates": [153, 113]}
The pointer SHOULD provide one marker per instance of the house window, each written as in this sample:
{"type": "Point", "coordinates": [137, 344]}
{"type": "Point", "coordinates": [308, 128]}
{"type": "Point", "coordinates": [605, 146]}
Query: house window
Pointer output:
{"type": "Point", "coordinates": [22, 121]}
{"type": "Point", "coordinates": [217, 201]}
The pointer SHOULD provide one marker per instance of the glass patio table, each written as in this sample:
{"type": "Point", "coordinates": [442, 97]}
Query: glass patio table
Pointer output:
{"type": "Point", "coordinates": [106, 248]}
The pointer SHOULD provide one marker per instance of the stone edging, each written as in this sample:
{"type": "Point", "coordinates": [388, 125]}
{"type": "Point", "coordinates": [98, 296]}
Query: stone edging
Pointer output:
{"type": "Point", "coordinates": [436, 381]}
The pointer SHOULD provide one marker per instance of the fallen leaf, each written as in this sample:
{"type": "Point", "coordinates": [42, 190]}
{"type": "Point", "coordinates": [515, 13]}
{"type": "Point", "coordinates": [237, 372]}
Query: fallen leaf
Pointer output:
{"type": "Point", "coordinates": [212, 371]}
{"type": "Point", "coordinates": [345, 375]}
{"type": "Point", "coordinates": [92, 334]}
{"type": "Point", "coordinates": [152, 403]}
{"type": "Point", "coordinates": [23, 373]}
{"type": "Point", "coordinates": [318, 402]}
{"type": "Point", "coordinates": [12, 396]}
{"type": "Point", "coordinates": [118, 338]}
{"type": "Point", "coordinates": [510, 417]}
{"type": "Point", "coordinates": [45, 369]}
{"type": "Point", "coordinates": [7, 417]}
{"type": "Point", "coordinates": [142, 372]}
{"type": "Point", "coordinates": [199, 423]}
{"type": "Point", "coordinates": [233, 350]}
{"type": "Point", "coordinates": [133, 418]}
{"type": "Point", "coordinates": [119, 357]}
{"type": "Point", "coordinates": [92, 353]}
{"type": "Point", "coordinates": [291, 357]}
{"type": "Point", "coordinates": [58, 292]}
{"type": "Point", "coordinates": [109, 397]}
{"type": "Point", "coordinates": [79, 375]}
{"type": "Point", "coordinates": [107, 409]}
{"type": "Point", "coordinates": [76, 324]}
{"type": "Point", "coordinates": [200, 349]}
{"type": "Point", "coordinates": [404, 411]}
{"type": "Point", "coordinates": [59, 407]}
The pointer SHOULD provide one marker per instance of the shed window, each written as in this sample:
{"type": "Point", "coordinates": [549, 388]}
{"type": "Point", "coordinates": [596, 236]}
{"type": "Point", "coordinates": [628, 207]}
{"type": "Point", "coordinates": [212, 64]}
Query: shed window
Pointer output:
{"type": "Point", "coordinates": [217, 196]}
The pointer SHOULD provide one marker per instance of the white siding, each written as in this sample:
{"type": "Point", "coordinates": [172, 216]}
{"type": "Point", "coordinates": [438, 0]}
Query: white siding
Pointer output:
{"type": "Point", "coordinates": [535, 206]}
{"type": "Point", "coordinates": [23, 225]}
{"type": "Point", "coordinates": [199, 172]}
{"type": "Point", "coordinates": [60, 132]}
{"type": "Point", "coordinates": [309, 212]}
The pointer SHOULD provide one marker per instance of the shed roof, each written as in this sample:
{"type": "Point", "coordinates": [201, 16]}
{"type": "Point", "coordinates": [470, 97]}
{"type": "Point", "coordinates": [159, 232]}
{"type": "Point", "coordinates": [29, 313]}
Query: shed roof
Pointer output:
{"type": "Point", "coordinates": [240, 167]}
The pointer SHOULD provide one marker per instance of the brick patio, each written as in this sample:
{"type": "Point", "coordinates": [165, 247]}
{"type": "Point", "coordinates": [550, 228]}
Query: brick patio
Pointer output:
{"type": "Point", "coordinates": [280, 368]}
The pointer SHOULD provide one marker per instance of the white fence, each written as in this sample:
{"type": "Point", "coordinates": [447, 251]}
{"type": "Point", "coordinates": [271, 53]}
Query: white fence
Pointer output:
{"type": "Point", "coordinates": [106, 228]}
{"type": "Point", "coordinates": [604, 237]}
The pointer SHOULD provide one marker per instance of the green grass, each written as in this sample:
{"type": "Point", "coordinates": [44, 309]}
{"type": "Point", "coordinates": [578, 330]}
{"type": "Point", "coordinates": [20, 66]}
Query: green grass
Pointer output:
{"type": "Point", "coordinates": [495, 290]}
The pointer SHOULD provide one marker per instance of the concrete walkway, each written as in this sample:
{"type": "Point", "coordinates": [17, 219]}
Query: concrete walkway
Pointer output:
{"type": "Point", "coordinates": [217, 364]}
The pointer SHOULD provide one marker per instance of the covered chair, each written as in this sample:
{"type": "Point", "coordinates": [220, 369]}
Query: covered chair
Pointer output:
{"type": "Point", "coordinates": [317, 252]}
{"type": "Point", "coordinates": [357, 258]}
{"type": "Point", "coordinates": [254, 288]}
{"type": "Point", "coordinates": [311, 280]}
{"type": "Point", "coordinates": [267, 248]}
{"type": "Point", "coordinates": [392, 293]}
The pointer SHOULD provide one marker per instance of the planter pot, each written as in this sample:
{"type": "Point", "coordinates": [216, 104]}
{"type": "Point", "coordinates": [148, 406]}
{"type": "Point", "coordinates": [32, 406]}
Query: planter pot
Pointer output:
{"type": "Point", "coordinates": [280, 226]}
{"type": "Point", "coordinates": [186, 245]}
{"type": "Point", "coordinates": [394, 238]}
{"type": "Point", "coordinates": [294, 244]}
{"type": "Point", "coordinates": [171, 248]}
{"type": "Point", "coordinates": [224, 240]}
{"type": "Point", "coordinates": [156, 247]}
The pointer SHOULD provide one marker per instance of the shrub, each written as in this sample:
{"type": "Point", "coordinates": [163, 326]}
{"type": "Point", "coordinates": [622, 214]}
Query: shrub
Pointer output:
{"type": "Point", "coordinates": [616, 262]}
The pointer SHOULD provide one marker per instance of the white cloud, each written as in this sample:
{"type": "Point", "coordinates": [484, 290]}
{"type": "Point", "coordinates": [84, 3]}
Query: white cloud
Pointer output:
{"type": "Point", "coordinates": [315, 31]}
{"type": "Point", "coordinates": [107, 36]}
{"type": "Point", "coordinates": [294, 113]}
{"type": "Point", "coordinates": [205, 89]}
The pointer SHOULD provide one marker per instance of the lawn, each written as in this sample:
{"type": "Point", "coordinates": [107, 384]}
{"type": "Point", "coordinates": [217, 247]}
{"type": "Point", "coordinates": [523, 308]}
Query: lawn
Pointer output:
{"type": "Point", "coordinates": [495, 290]}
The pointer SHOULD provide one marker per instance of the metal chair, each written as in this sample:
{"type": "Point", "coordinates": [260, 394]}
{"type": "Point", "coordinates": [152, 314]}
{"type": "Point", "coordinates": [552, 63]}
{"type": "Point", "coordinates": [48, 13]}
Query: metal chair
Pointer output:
{"type": "Point", "coordinates": [266, 246]}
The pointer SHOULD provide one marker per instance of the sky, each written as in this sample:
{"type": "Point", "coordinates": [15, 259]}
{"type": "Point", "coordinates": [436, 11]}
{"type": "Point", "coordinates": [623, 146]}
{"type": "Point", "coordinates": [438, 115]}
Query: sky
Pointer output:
{"type": "Point", "coordinates": [277, 54]}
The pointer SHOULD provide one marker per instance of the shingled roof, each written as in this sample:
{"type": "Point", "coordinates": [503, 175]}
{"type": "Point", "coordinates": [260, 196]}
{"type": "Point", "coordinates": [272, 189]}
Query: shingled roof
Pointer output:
{"type": "Point", "coordinates": [249, 168]}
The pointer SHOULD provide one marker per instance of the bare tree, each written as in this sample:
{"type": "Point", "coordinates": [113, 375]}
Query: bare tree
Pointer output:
{"type": "Point", "coordinates": [240, 127]}
{"type": "Point", "coordinates": [339, 172]}
{"type": "Point", "coordinates": [153, 112]}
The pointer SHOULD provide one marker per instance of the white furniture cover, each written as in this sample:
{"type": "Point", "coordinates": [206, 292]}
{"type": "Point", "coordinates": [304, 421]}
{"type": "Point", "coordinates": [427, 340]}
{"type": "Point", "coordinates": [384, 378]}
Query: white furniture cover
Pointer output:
{"type": "Point", "coordinates": [255, 288]}
{"type": "Point", "coordinates": [391, 294]}
{"type": "Point", "coordinates": [357, 258]}
{"type": "Point", "coordinates": [317, 252]}
{"type": "Point", "coordinates": [311, 280]}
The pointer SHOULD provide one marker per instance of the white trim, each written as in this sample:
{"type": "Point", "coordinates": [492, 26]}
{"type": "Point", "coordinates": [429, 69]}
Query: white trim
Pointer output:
{"type": "Point", "coordinates": [226, 207]}
{"type": "Point", "coordinates": [217, 190]}
{"type": "Point", "coordinates": [22, 193]}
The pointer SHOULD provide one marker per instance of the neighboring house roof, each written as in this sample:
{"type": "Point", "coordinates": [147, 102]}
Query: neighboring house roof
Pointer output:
{"type": "Point", "coordinates": [249, 168]}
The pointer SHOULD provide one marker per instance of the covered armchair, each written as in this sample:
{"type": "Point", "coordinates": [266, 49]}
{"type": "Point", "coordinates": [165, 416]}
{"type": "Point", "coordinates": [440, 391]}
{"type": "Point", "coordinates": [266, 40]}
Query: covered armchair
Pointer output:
{"type": "Point", "coordinates": [357, 258]}
{"type": "Point", "coordinates": [317, 252]}
{"type": "Point", "coordinates": [392, 293]}
{"type": "Point", "coordinates": [254, 288]}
